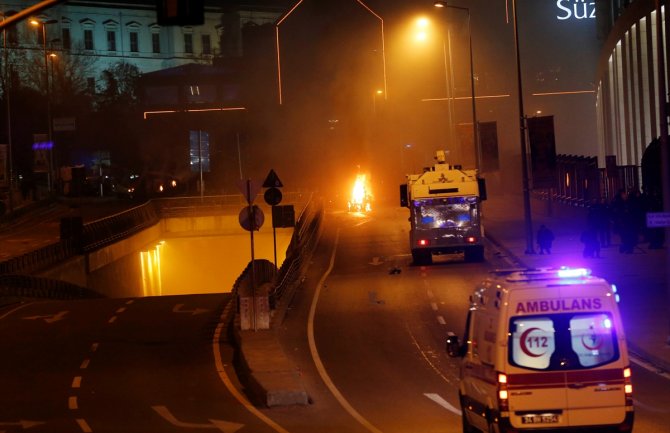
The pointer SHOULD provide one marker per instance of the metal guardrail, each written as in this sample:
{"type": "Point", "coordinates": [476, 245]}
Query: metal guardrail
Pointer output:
{"type": "Point", "coordinates": [105, 231]}
{"type": "Point", "coordinates": [303, 242]}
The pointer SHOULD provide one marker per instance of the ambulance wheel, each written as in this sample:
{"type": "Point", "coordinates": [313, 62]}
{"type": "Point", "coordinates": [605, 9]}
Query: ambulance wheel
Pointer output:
{"type": "Point", "coordinates": [422, 257]}
{"type": "Point", "coordinates": [474, 254]}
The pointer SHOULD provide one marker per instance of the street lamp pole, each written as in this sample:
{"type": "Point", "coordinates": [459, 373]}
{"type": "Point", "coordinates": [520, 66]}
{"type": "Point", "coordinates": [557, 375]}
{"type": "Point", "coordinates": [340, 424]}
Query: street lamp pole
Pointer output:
{"type": "Point", "coordinates": [475, 126]}
{"type": "Point", "coordinates": [5, 81]}
{"type": "Point", "coordinates": [522, 130]}
{"type": "Point", "coordinates": [43, 24]}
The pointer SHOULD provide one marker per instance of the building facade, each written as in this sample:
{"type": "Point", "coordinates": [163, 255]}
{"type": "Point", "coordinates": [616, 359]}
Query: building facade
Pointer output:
{"type": "Point", "coordinates": [108, 32]}
{"type": "Point", "coordinates": [628, 98]}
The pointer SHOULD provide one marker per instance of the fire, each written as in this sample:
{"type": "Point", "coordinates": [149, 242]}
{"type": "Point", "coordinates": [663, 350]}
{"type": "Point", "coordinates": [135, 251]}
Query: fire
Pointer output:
{"type": "Point", "coordinates": [360, 195]}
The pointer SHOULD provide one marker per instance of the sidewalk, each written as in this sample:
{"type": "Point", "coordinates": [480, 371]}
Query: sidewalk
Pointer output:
{"type": "Point", "coordinates": [640, 277]}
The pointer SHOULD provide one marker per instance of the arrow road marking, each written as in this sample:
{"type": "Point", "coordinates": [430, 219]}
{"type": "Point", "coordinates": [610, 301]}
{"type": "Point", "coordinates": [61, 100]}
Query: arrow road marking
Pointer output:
{"type": "Point", "coordinates": [225, 427]}
{"type": "Point", "coordinates": [49, 318]}
{"type": "Point", "coordinates": [444, 403]}
{"type": "Point", "coordinates": [178, 309]}
{"type": "Point", "coordinates": [376, 261]}
{"type": "Point", "coordinates": [24, 424]}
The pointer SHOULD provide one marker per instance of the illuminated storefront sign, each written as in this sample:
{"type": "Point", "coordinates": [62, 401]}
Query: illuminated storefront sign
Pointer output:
{"type": "Point", "coordinates": [575, 9]}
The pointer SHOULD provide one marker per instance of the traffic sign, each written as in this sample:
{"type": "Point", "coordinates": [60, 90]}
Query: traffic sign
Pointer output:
{"type": "Point", "coordinates": [658, 219]}
{"type": "Point", "coordinates": [283, 216]}
{"type": "Point", "coordinates": [272, 196]}
{"type": "Point", "coordinates": [272, 180]}
{"type": "Point", "coordinates": [251, 218]}
{"type": "Point", "coordinates": [249, 189]}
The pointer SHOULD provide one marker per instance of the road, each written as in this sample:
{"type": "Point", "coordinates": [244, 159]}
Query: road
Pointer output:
{"type": "Point", "coordinates": [369, 343]}
{"type": "Point", "coordinates": [119, 365]}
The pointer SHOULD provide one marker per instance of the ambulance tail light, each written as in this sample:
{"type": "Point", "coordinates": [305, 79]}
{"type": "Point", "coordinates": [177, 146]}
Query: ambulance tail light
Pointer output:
{"type": "Point", "coordinates": [503, 395]}
{"type": "Point", "coordinates": [423, 242]}
{"type": "Point", "coordinates": [628, 386]}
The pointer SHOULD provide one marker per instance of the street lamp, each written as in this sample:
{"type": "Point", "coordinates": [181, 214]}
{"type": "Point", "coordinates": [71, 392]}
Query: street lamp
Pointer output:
{"type": "Point", "coordinates": [524, 153]}
{"type": "Point", "coordinates": [5, 82]}
{"type": "Point", "coordinates": [43, 25]}
{"type": "Point", "coordinates": [475, 128]}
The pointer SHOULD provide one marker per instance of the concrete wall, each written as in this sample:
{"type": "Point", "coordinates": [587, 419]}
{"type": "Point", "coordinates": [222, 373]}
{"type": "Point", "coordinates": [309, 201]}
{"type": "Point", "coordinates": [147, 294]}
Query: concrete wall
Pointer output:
{"type": "Point", "coordinates": [118, 270]}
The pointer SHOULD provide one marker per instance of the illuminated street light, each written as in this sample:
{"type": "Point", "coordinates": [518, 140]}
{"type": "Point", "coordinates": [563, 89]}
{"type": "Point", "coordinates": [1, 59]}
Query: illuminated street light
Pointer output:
{"type": "Point", "coordinates": [43, 25]}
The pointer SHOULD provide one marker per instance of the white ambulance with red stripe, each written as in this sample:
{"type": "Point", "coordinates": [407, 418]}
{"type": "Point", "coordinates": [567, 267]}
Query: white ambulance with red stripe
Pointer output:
{"type": "Point", "coordinates": [544, 349]}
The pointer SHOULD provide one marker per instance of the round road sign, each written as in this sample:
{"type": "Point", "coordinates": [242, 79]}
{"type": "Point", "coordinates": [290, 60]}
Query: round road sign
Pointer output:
{"type": "Point", "coordinates": [248, 215]}
{"type": "Point", "coordinates": [272, 196]}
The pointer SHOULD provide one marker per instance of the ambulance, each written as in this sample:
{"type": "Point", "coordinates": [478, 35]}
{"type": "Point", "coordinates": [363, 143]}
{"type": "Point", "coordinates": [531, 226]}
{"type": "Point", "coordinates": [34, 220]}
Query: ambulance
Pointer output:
{"type": "Point", "coordinates": [544, 349]}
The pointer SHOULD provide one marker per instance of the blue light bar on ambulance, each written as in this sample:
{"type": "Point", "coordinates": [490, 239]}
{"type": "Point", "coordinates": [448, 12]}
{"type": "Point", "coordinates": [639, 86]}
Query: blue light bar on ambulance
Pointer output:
{"type": "Point", "coordinates": [573, 272]}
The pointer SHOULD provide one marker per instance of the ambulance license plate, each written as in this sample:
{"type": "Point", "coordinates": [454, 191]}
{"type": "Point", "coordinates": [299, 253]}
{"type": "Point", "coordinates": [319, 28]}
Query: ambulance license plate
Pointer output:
{"type": "Point", "coordinates": [539, 419]}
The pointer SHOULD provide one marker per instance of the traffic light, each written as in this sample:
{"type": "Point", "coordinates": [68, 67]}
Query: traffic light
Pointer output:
{"type": "Point", "coordinates": [180, 12]}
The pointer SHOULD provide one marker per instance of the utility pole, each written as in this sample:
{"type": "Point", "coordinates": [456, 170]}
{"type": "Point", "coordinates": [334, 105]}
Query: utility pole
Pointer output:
{"type": "Point", "coordinates": [524, 153]}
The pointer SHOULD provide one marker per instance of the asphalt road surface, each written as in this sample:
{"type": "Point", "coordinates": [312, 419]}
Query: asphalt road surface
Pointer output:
{"type": "Point", "coordinates": [369, 343]}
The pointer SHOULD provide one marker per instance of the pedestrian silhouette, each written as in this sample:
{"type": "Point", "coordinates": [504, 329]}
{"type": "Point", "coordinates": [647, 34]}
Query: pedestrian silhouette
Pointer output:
{"type": "Point", "coordinates": [591, 242]}
{"type": "Point", "coordinates": [545, 238]}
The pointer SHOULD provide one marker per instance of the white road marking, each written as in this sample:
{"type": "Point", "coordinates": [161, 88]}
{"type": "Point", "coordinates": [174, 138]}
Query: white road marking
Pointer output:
{"type": "Point", "coordinates": [76, 382]}
{"type": "Point", "coordinates": [433, 305]}
{"type": "Point", "coordinates": [49, 318]}
{"type": "Point", "coordinates": [83, 425]}
{"type": "Point", "coordinates": [178, 309]}
{"type": "Point", "coordinates": [14, 309]}
{"type": "Point", "coordinates": [24, 424]}
{"type": "Point", "coordinates": [216, 348]}
{"type": "Point", "coordinates": [72, 403]}
{"type": "Point", "coordinates": [130, 301]}
{"type": "Point", "coordinates": [84, 364]}
{"type": "Point", "coordinates": [224, 426]}
{"type": "Point", "coordinates": [376, 261]}
{"type": "Point", "coordinates": [121, 310]}
{"type": "Point", "coordinates": [94, 347]}
{"type": "Point", "coordinates": [315, 354]}
{"type": "Point", "coordinates": [444, 403]}
{"type": "Point", "coordinates": [647, 366]}
{"type": "Point", "coordinates": [441, 320]}
{"type": "Point", "coordinates": [112, 320]}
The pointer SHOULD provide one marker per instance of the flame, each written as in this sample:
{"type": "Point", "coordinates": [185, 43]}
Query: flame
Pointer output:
{"type": "Point", "coordinates": [360, 195]}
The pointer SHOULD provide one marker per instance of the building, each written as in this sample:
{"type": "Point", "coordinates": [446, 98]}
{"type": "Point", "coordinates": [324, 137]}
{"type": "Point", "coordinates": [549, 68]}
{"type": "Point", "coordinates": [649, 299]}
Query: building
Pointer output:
{"type": "Point", "coordinates": [75, 44]}
{"type": "Point", "coordinates": [628, 97]}
{"type": "Point", "coordinates": [123, 30]}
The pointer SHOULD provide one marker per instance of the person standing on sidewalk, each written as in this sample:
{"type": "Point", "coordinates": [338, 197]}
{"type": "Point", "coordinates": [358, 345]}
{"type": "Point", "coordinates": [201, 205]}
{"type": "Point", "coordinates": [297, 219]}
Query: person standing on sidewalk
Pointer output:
{"type": "Point", "coordinates": [545, 238]}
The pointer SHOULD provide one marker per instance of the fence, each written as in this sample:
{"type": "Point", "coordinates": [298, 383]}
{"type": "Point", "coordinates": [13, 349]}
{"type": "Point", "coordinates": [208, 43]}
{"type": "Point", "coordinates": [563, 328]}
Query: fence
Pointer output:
{"type": "Point", "coordinates": [579, 181]}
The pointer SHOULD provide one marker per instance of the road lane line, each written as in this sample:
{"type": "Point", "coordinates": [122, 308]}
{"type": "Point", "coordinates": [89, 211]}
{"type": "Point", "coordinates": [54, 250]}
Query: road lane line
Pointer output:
{"type": "Point", "coordinates": [121, 310]}
{"type": "Point", "coordinates": [229, 384]}
{"type": "Point", "coordinates": [76, 382]}
{"type": "Point", "coordinates": [315, 354]}
{"type": "Point", "coordinates": [433, 305]}
{"type": "Point", "coordinates": [72, 403]}
{"type": "Point", "coordinates": [425, 357]}
{"type": "Point", "coordinates": [444, 403]}
{"type": "Point", "coordinates": [83, 425]}
{"type": "Point", "coordinates": [84, 364]}
{"type": "Point", "coordinates": [15, 309]}
{"type": "Point", "coordinates": [441, 320]}
{"type": "Point", "coordinates": [94, 347]}
{"type": "Point", "coordinates": [112, 320]}
{"type": "Point", "coordinates": [130, 302]}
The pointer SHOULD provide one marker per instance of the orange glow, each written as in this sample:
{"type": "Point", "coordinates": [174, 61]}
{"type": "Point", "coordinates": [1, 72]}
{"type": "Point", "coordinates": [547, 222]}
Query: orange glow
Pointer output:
{"type": "Point", "coordinates": [360, 195]}
{"type": "Point", "coordinates": [150, 262]}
